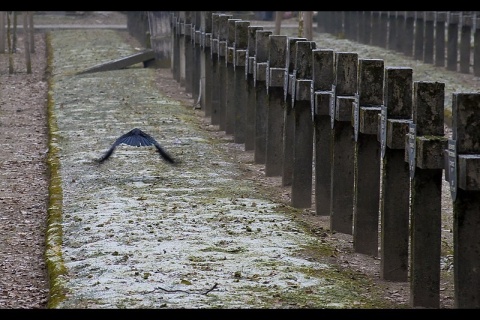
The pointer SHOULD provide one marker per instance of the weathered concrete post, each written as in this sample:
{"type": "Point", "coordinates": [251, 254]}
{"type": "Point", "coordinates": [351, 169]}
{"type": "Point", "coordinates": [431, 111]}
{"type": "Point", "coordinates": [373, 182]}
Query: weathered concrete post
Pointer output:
{"type": "Point", "coordinates": [343, 144]}
{"type": "Point", "coordinates": [400, 34]}
{"type": "Point", "coordinates": [424, 146]}
{"type": "Point", "coordinates": [240, 63]}
{"type": "Point", "coordinates": [376, 28]}
{"type": "Point", "coordinates": [251, 96]}
{"type": "Point", "coordinates": [196, 33]}
{"type": "Point", "coordinates": [303, 130]}
{"type": "Point", "coordinates": [323, 79]}
{"type": "Point", "coordinates": [189, 64]}
{"type": "Point", "coordinates": [419, 37]}
{"type": "Point", "coordinates": [215, 70]}
{"type": "Point", "coordinates": [207, 73]}
{"type": "Point", "coordinates": [222, 67]}
{"type": "Point", "coordinates": [275, 82]}
{"type": "Point", "coordinates": [259, 78]}
{"type": "Point", "coordinates": [393, 33]}
{"type": "Point", "coordinates": [367, 18]}
{"type": "Point", "coordinates": [366, 204]}
{"type": "Point", "coordinates": [476, 48]}
{"type": "Point", "coordinates": [440, 18]}
{"type": "Point", "coordinates": [395, 174]}
{"type": "Point", "coordinates": [452, 41]}
{"type": "Point", "coordinates": [230, 77]}
{"type": "Point", "coordinates": [465, 43]}
{"type": "Point", "coordinates": [428, 49]}
{"type": "Point", "coordinates": [465, 187]}
{"type": "Point", "coordinates": [351, 25]}
{"type": "Point", "coordinates": [337, 22]}
{"type": "Point", "coordinates": [288, 117]}
{"type": "Point", "coordinates": [409, 33]}
{"type": "Point", "coordinates": [176, 48]}
{"type": "Point", "coordinates": [383, 29]}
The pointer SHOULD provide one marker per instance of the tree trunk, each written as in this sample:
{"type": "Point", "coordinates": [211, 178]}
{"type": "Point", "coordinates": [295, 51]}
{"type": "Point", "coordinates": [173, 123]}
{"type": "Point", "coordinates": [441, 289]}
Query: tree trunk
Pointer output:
{"type": "Point", "coordinates": [300, 24]}
{"type": "Point", "coordinates": [26, 41]}
{"type": "Point", "coordinates": [278, 22]}
{"type": "Point", "coordinates": [32, 31]}
{"type": "Point", "coordinates": [308, 24]}
{"type": "Point", "coordinates": [9, 43]}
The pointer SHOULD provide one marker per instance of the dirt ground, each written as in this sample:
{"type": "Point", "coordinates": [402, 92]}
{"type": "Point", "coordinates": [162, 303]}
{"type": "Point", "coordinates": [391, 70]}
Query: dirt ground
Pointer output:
{"type": "Point", "coordinates": [24, 180]}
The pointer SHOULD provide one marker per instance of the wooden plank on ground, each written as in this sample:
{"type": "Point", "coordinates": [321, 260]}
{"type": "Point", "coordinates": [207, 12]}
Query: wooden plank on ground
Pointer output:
{"type": "Point", "coordinates": [146, 56]}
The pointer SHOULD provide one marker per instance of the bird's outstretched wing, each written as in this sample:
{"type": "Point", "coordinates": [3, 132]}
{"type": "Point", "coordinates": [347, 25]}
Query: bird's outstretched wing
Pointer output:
{"type": "Point", "coordinates": [137, 138]}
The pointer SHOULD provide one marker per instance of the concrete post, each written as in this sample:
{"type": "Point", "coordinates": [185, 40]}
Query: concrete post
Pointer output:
{"type": "Point", "coordinates": [240, 97]}
{"type": "Point", "coordinates": [425, 145]}
{"type": "Point", "coordinates": [189, 62]}
{"type": "Point", "coordinates": [428, 46]}
{"type": "Point", "coordinates": [207, 74]}
{"type": "Point", "coordinates": [367, 32]}
{"type": "Point", "coordinates": [176, 48]}
{"type": "Point", "coordinates": [476, 48]}
{"type": "Point", "coordinates": [366, 204]}
{"type": "Point", "coordinates": [465, 43]}
{"type": "Point", "coordinates": [251, 96]}
{"type": "Point", "coordinates": [341, 206]}
{"type": "Point", "coordinates": [222, 67]}
{"type": "Point", "coordinates": [275, 84]}
{"type": "Point", "coordinates": [419, 36]}
{"type": "Point", "coordinates": [452, 41]}
{"type": "Point", "coordinates": [383, 29]}
{"type": "Point", "coordinates": [395, 174]}
{"type": "Point", "coordinates": [196, 37]}
{"type": "Point", "coordinates": [409, 33]}
{"type": "Point", "coordinates": [262, 45]}
{"type": "Point", "coordinates": [393, 32]}
{"type": "Point", "coordinates": [215, 70]}
{"type": "Point", "coordinates": [288, 117]}
{"type": "Point", "coordinates": [400, 34]}
{"type": "Point", "coordinates": [303, 127]}
{"type": "Point", "coordinates": [466, 206]}
{"type": "Point", "coordinates": [323, 79]}
{"type": "Point", "coordinates": [230, 77]}
{"type": "Point", "coordinates": [440, 18]}
{"type": "Point", "coordinates": [376, 28]}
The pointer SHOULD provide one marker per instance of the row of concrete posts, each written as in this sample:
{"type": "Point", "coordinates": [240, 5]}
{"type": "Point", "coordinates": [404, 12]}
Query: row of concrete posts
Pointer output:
{"type": "Point", "coordinates": [360, 141]}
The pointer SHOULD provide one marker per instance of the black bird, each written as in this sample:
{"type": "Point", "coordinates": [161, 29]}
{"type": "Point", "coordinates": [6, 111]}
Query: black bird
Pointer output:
{"type": "Point", "coordinates": [137, 138]}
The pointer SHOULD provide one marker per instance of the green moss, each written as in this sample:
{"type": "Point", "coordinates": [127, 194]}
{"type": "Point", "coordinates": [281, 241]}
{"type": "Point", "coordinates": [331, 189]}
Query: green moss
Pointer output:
{"type": "Point", "coordinates": [53, 253]}
{"type": "Point", "coordinates": [448, 117]}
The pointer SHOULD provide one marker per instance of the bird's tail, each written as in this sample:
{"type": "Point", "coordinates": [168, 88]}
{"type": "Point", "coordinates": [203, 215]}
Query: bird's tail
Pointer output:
{"type": "Point", "coordinates": [106, 155]}
{"type": "Point", "coordinates": [164, 154]}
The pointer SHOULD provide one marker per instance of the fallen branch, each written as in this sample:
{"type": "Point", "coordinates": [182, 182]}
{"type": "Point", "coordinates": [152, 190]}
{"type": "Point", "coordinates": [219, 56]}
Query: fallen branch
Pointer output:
{"type": "Point", "coordinates": [188, 292]}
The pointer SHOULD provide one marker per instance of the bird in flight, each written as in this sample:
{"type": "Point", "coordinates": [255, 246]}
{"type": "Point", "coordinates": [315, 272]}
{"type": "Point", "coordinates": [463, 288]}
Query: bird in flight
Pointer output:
{"type": "Point", "coordinates": [137, 138]}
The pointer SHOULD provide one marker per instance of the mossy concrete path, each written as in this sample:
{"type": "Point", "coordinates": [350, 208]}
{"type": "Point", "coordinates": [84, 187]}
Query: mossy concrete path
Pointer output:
{"type": "Point", "coordinates": [137, 232]}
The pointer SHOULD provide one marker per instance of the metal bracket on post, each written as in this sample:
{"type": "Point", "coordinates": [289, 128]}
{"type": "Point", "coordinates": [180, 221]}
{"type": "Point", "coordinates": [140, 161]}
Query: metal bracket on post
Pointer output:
{"type": "Point", "coordinates": [412, 148]}
{"type": "Point", "coordinates": [356, 117]}
{"type": "Point", "coordinates": [383, 130]}
{"type": "Point", "coordinates": [451, 160]}
{"type": "Point", "coordinates": [461, 170]}
{"type": "Point", "coordinates": [292, 79]}
{"type": "Point", "coordinates": [332, 107]}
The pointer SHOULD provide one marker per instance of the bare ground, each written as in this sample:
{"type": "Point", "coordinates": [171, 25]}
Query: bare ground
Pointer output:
{"type": "Point", "coordinates": [24, 182]}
